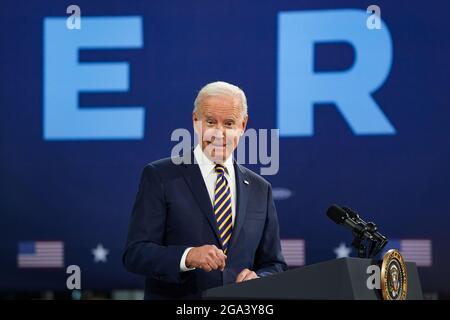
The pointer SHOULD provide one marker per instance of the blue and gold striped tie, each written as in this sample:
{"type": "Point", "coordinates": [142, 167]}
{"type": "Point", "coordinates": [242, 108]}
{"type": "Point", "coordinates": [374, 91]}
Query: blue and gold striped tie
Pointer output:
{"type": "Point", "coordinates": [222, 207]}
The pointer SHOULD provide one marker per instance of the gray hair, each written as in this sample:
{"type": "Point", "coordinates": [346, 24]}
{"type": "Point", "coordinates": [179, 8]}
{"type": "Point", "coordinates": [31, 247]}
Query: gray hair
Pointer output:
{"type": "Point", "coordinates": [221, 88]}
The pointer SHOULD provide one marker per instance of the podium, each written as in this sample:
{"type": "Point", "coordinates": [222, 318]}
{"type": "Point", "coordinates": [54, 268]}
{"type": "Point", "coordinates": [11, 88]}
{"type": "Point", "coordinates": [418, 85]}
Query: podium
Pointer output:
{"type": "Point", "coordinates": [340, 279]}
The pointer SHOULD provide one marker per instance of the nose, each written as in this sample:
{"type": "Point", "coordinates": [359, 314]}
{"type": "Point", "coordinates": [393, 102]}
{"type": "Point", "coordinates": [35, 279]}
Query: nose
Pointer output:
{"type": "Point", "coordinates": [219, 132]}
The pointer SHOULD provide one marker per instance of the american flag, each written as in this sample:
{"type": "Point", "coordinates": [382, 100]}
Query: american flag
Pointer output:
{"type": "Point", "coordinates": [293, 251]}
{"type": "Point", "coordinates": [40, 254]}
{"type": "Point", "coordinates": [413, 250]}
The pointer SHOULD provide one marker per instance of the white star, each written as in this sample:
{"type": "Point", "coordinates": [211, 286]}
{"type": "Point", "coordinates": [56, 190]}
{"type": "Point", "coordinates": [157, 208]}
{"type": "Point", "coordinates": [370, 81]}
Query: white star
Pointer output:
{"type": "Point", "coordinates": [100, 253]}
{"type": "Point", "coordinates": [342, 251]}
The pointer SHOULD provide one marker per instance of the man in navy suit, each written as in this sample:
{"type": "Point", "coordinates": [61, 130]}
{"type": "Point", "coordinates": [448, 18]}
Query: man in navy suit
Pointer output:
{"type": "Point", "coordinates": [202, 220]}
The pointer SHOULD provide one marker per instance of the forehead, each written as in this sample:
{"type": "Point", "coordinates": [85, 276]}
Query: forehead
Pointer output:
{"type": "Point", "coordinates": [220, 105]}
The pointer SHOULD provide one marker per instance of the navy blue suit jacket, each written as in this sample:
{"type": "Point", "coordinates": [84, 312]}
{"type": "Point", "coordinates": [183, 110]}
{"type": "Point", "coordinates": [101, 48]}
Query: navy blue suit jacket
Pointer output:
{"type": "Point", "coordinates": [173, 211]}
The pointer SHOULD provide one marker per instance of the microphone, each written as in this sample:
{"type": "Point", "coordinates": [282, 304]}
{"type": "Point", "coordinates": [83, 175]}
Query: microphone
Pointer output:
{"type": "Point", "coordinates": [361, 230]}
{"type": "Point", "coordinates": [340, 216]}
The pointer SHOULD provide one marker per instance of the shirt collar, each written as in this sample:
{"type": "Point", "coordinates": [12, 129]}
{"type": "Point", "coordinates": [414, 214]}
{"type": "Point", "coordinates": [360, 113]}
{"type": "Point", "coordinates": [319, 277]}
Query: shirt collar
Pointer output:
{"type": "Point", "coordinates": [207, 165]}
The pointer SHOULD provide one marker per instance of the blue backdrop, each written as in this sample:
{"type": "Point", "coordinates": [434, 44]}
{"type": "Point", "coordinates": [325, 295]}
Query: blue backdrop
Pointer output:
{"type": "Point", "coordinates": [363, 118]}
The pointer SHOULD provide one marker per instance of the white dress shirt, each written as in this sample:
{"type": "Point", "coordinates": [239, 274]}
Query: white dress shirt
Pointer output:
{"type": "Point", "coordinates": [209, 177]}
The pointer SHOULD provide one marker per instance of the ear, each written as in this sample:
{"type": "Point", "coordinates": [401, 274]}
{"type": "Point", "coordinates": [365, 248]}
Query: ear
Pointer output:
{"type": "Point", "coordinates": [195, 119]}
{"type": "Point", "coordinates": [244, 124]}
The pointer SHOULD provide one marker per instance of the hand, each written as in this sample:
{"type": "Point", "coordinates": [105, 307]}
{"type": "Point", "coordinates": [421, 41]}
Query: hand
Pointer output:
{"type": "Point", "coordinates": [245, 275]}
{"type": "Point", "coordinates": [207, 258]}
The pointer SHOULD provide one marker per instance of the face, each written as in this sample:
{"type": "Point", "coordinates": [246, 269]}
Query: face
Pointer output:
{"type": "Point", "coordinates": [219, 124]}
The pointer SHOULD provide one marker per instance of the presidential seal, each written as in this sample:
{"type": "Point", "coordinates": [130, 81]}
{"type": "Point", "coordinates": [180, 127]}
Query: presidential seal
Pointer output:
{"type": "Point", "coordinates": [394, 279]}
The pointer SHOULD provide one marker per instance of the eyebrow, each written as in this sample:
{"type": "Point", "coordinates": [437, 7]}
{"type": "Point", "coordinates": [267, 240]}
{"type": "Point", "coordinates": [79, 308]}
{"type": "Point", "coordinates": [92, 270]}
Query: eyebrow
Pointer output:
{"type": "Point", "coordinates": [209, 116]}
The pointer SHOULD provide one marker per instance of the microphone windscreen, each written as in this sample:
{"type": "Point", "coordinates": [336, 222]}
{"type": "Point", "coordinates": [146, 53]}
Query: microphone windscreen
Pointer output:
{"type": "Point", "coordinates": [336, 214]}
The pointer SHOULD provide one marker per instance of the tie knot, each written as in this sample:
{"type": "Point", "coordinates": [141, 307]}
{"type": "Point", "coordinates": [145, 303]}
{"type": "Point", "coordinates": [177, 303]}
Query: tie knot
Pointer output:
{"type": "Point", "coordinates": [220, 169]}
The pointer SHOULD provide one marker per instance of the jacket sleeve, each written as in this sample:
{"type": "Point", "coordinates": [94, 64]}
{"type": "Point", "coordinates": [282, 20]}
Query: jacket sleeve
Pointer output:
{"type": "Point", "coordinates": [269, 258]}
{"type": "Point", "coordinates": [145, 252]}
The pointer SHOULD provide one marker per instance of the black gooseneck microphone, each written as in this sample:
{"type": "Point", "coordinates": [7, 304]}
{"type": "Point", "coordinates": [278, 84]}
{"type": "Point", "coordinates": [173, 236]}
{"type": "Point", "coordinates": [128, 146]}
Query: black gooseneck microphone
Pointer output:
{"type": "Point", "coordinates": [362, 231]}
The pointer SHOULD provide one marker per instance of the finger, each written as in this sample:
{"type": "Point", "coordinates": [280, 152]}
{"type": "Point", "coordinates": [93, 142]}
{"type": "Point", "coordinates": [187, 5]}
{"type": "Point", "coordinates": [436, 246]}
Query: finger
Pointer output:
{"type": "Point", "coordinates": [249, 276]}
{"type": "Point", "coordinates": [242, 275]}
{"type": "Point", "coordinates": [220, 259]}
{"type": "Point", "coordinates": [221, 254]}
{"type": "Point", "coordinates": [212, 263]}
{"type": "Point", "coordinates": [206, 267]}
{"type": "Point", "coordinates": [218, 252]}
{"type": "Point", "coordinates": [220, 264]}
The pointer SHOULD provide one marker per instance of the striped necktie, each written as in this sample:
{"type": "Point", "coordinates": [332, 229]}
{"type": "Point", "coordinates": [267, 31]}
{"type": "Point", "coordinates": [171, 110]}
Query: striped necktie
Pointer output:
{"type": "Point", "coordinates": [222, 207]}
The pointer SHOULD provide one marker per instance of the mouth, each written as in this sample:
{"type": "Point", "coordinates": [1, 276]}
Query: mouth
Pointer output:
{"type": "Point", "coordinates": [215, 145]}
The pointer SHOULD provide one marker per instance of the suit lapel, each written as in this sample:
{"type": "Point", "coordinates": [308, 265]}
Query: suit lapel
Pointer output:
{"type": "Point", "coordinates": [194, 179]}
{"type": "Point", "coordinates": [242, 192]}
